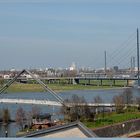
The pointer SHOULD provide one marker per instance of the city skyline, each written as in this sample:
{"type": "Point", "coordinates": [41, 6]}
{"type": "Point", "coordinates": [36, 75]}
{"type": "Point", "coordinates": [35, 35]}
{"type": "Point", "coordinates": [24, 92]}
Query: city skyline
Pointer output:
{"type": "Point", "coordinates": [56, 33]}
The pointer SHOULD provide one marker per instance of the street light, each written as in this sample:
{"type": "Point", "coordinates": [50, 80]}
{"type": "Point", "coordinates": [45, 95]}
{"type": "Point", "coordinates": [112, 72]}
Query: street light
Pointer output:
{"type": "Point", "coordinates": [123, 125]}
{"type": "Point", "coordinates": [6, 133]}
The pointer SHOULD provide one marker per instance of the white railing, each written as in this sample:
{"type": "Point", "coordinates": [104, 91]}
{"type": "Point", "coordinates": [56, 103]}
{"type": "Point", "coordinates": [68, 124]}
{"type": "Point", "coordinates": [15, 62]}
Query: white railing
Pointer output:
{"type": "Point", "coordinates": [30, 101]}
{"type": "Point", "coordinates": [54, 103]}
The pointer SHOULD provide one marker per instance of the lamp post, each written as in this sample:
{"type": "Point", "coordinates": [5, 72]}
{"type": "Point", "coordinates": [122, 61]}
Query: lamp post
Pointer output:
{"type": "Point", "coordinates": [6, 133]}
{"type": "Point", "coordinates": [138, 56]}
{"type": "Point", "coordinates": [123, 125]}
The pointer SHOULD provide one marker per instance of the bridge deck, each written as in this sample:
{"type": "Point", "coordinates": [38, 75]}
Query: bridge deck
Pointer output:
{"type": "Point", "coordinates": [30, 101]}
{"type": "Point", "coordinates": [54, 103]}
{"type": "Point", "coordinates": [79, 78]}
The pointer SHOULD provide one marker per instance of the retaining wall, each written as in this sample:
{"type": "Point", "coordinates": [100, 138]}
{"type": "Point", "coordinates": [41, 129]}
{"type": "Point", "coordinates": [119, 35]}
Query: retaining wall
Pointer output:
{"type": "Point", "coordinates": [118, 129]}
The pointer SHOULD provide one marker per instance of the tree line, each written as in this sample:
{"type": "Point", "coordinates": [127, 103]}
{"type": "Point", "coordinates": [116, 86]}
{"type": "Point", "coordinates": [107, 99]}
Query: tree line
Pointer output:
{"type": "Point", "coordinates": [76, 112]}
{"type": "Point", "coordinates": [23, 118]}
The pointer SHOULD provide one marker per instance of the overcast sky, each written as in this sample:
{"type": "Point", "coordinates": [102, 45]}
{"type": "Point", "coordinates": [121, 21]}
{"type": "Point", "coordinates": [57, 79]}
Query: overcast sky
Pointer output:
{"type": "Point", "coordinates": [55, 33]}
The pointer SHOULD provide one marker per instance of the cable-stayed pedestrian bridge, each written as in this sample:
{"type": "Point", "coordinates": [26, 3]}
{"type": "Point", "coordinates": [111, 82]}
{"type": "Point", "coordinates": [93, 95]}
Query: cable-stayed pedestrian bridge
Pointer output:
{"type": "Point", "coordinates": [58, 99]}
{"type": "Point", "coordinates": [30, 101]}
{"type": "Point", "coordinates": [54, 103]}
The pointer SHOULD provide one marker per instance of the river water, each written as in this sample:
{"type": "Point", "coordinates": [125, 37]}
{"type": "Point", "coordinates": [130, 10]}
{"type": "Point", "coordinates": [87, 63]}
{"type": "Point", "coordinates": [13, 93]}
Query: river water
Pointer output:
{"type": "Point", "coordinates": [89, 95]}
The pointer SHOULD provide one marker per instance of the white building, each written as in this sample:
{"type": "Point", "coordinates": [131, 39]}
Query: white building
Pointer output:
{"type": "Point", "coordinates": [28, 76]}
{"type": "Point", "coordinates": [72, 67]}
{"type": "Point", "coordinates": [6, 76]}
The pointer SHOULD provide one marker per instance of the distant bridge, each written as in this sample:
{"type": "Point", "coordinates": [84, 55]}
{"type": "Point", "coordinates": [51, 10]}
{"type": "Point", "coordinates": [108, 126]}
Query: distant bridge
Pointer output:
{"type": "Point", "coordinates": [76, 80]}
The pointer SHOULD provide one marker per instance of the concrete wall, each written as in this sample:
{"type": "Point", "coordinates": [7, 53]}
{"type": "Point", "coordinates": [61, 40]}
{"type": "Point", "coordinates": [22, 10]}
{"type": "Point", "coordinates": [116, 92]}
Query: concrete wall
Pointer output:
{"type": "Point", "coordinates": [118, 129]}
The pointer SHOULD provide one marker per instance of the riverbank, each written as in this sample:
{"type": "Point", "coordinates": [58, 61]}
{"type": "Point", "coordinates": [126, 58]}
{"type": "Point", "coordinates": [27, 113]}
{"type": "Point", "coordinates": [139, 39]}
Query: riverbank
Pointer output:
{"type": "Point", "coordinates": [18, 87]}
{"type": "Point", "coordinates": [112, 118]}
{"type": "Point", "coordinates": [126, 129]}
{"type": "Point", "coordinates": [112, 129]}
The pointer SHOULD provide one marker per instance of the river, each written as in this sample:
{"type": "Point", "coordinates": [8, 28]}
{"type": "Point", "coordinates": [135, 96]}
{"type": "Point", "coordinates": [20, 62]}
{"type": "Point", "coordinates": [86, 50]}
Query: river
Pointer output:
{"type": "Point", "coordinates": [89, 95]}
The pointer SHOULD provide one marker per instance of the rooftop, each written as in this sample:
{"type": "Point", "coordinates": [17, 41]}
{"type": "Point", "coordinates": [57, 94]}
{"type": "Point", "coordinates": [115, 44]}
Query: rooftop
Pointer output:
{"type": "Point", "coordinates": [74, 129]}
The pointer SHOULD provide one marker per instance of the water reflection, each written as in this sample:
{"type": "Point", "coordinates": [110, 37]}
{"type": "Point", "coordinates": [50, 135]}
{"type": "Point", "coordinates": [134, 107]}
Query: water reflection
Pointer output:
{"type": "Point", "coordinates": [11, 129]}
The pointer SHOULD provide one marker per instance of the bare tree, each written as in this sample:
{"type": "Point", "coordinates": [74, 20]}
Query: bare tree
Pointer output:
{"type": "Point", "coordinates": [32, 114]}
{"type": "Point", "coordinates": [89, 113]}
{"type": "Point", "coordinates": [29, 117]}
{"type": "Point", "coordinates": [98, 99]}
{"type": "Point", "coordinates": [66, 110]}
{"type": "Point", "coordinates": [119, 103]}
{"type": "Point", "coordinates": [127, 96]}
{"type": "Point", "coordinates": [69, 73]}
{"type": "Point", "coordinates": [20, 117]}
{"type": "Point", "coordinates": [78, 109]}
{"type": "Point", "coordinates": [0, 115]}
{"type": "Point", "coordinates": [6, 116]}
{"type": "Point", "coordinates": [35, 111]}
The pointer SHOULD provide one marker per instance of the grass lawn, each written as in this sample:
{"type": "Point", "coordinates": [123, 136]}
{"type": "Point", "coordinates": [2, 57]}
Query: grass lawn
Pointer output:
{"type": "Point", "coordinates": [25, 88]}
{"type": "Point", "coordinates": [17, 87]}
{"type": "Point", "coordinates": [112, 119]}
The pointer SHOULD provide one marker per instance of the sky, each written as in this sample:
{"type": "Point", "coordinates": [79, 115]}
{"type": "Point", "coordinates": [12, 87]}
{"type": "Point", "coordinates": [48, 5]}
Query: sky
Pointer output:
{"type": "Point", "coordinates": [55, 33]}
